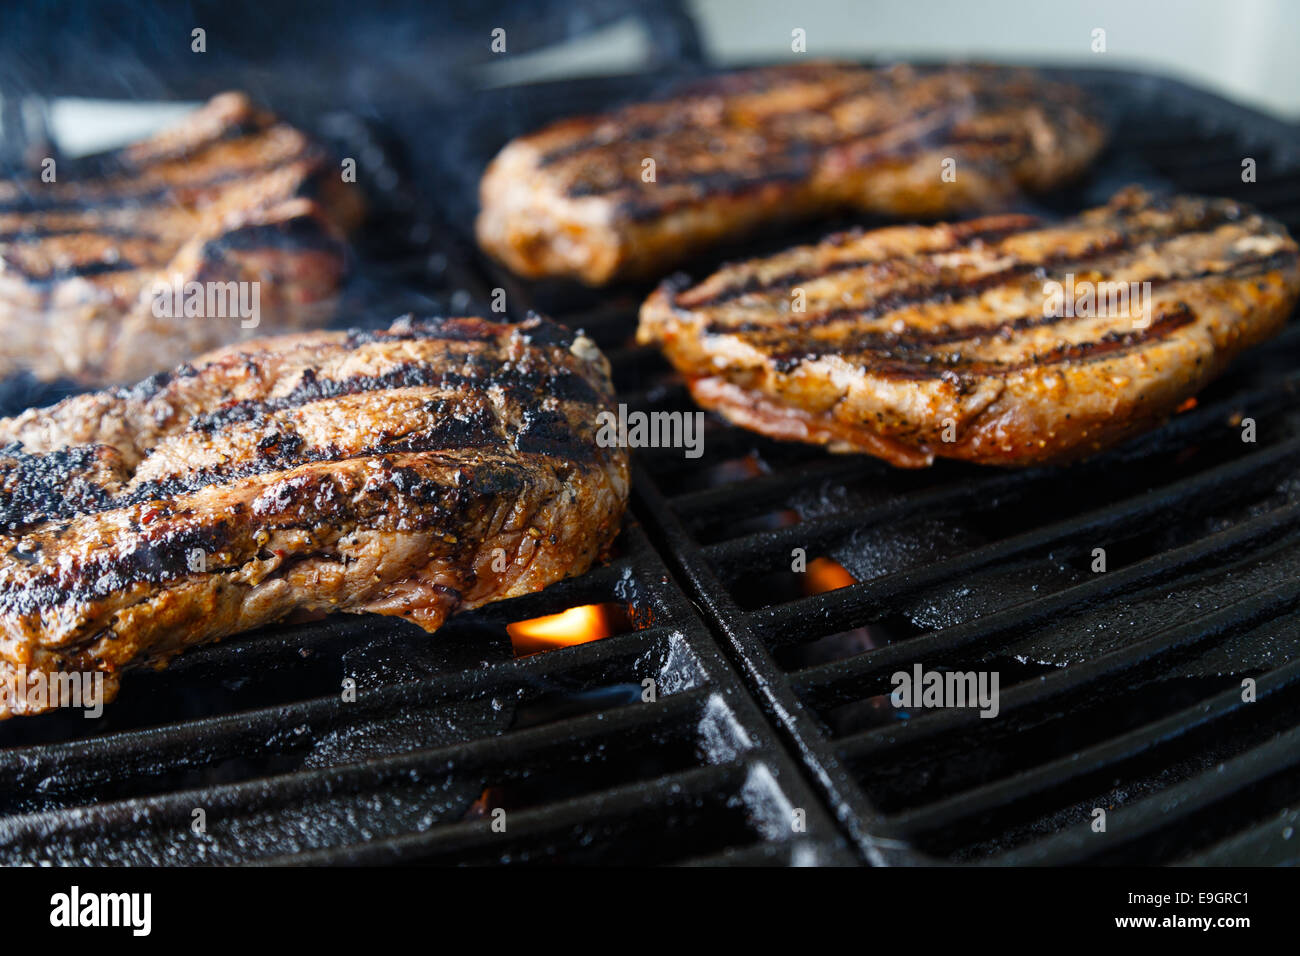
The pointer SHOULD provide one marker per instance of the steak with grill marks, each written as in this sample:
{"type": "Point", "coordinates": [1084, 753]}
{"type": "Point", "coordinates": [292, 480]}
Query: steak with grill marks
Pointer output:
{"type": "Point", "coordinates": [416, 471]}
{"type": "Point", "coordinates": [228, 196]}
{"type": "Point", "coordinates": [580, 199]}
{"type": "Point", "coordinates": [956, 341]}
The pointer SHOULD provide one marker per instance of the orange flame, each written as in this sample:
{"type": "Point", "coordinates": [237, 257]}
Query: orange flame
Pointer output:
{"type": "Point", "coordinates": [823, 574]}
{"type": "Point", "coordinates": [577, 625]}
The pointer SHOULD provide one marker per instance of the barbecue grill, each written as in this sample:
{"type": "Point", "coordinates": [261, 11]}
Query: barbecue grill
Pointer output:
{"type": "Point", "coordinates": [739, 713]}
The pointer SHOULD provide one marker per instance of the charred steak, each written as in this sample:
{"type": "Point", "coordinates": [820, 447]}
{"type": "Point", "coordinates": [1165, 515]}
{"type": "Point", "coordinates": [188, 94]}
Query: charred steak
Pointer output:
{"type": "Point", "coordinates": [417, 471]}
{"type": "Point", "coordinates": [229, 196]}
{"type": "Point", "coordinates": [626, 193]}
{"type": "Point", "coordinates": [958, 340]}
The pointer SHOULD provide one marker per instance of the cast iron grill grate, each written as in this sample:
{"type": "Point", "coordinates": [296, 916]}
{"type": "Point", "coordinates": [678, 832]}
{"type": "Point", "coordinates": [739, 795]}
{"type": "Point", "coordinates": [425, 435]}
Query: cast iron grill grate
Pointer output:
{"type": "Point", "coordinates": [1120, 690]}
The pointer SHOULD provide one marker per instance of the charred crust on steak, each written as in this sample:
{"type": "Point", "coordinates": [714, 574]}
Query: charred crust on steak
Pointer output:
{"type": "Point", "coordinates": [777, 143]}
{"type": "Point", "coordinates": [325, 471]}
{"type": "Point", "coordinates": [914, 333]}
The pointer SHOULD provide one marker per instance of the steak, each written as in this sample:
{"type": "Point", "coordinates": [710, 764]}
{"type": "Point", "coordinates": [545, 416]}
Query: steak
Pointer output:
{"type": "Point", "coordinates": [228, 196]}
{"type": "Point", "coordinates": [580, 198]}
{"type": "Point", "coordinates": [957, 341]}
{"type": "Point", "coordinates": [417, 471]}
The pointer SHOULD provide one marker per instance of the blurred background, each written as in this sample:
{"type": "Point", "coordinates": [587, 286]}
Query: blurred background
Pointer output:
{"type": "Point", "coordinates": [60, 61]}
{"type": "Point", "coordinates": [1244, 49]}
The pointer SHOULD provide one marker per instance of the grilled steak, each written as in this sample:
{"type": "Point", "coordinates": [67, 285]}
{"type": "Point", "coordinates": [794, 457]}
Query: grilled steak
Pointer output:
{"type": "Point", "coordinates": [977, 340]}
{"type": "Point", "coordinates": [228, 196]}
{"type": "Point", "coordinates": [362, 471]}
{"type": "Point", "coordinates": [772, 144]}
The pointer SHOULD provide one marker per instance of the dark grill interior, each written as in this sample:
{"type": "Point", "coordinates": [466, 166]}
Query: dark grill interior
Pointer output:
{"type": "Point", "coordinates": [1120, 690]}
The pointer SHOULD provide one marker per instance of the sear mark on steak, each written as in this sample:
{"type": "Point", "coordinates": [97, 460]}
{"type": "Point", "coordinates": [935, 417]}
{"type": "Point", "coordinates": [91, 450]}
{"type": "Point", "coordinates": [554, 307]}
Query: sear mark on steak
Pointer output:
{"type": "Point", "coordinates": [917, 342]}
{"type": "Point", "coordinates": [767, 145]}
{"type": "Point", "coordinates": [362, 472]}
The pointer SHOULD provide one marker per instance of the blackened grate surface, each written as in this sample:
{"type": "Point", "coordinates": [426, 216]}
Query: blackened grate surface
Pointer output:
{"type": "Point", "coordinates": [1120, 690]}
{"type": "Point", "coordinates": [246, 751]}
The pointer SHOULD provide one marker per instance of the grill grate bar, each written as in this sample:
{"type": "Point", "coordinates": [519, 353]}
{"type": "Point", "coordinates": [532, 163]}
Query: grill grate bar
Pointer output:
{"type": "Point", "coordinates": [1153, 813]}
{"type": "Point", "coordinates": [1183, 492]}
{"type": "Point", "coordinates": [827, 684]}
{"type": "Point", "coordinates": [1234, 617]}
{"type": "Point", "coordinates": [733, 496]}
{"type": "Point", "coordinates": [556, 824]}
{"type": "Point", "coordinates": [205, 737]}
{"type": "Point", "coordinates": [1098, 759]}
{"type": "Point", "coordinates": [676, 712]}
{"type": "Point", "coordinates": [1271, 843]}
{"type": "Point", "coordinates": [837, 609]}
{"type": "Point", "coordinates": [738, 551]}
